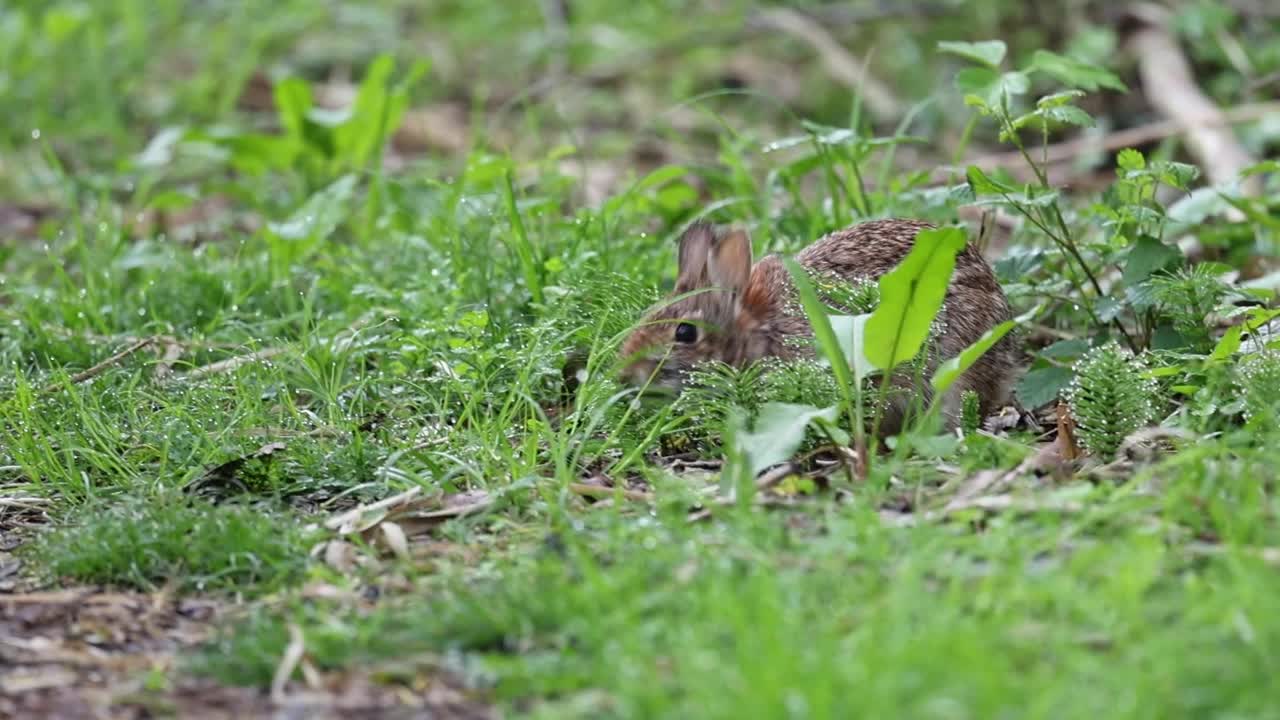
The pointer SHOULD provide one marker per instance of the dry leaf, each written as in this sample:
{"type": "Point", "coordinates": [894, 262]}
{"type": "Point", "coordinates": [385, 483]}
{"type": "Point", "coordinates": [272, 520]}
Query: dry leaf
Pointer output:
{"type": "Point", "coordinates": [394, 538]}
{"type": "Point", "coordinates": [341, 556]}
{"type": "Point", "coordinates": [293, 654]}
{"type": "Point", "coordinates": [1067, 433]}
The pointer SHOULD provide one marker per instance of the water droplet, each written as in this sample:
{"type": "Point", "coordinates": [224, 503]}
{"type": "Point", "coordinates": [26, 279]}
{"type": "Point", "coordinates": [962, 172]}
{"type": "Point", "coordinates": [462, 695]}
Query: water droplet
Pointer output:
{"type": "Point", "coordinates": [35, 134]}
{"type": "Point", "coordinates": [142, 312]}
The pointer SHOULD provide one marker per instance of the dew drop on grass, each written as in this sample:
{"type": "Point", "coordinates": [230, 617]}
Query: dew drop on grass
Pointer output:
{"type": "Point", "coordinates": [35, 134]}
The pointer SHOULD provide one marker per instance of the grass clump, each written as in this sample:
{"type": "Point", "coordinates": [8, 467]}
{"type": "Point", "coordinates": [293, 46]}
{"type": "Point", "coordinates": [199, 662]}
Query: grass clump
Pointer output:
{"type": "Point", "coordinates": [198, 545]}
{"type": "Point", "coordinates": [756, 615]}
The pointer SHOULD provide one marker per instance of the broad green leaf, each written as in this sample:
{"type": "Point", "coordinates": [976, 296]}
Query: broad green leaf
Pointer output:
{"type": "Point", "coordinates": [1229, 344]}
{"type": "Point", "coordinates": [1130, 159]}
{"type": "Point", "coordinates": [1075, 73]}
{"type": "Point", "coordinates": [989, 52]}
{"type": "Point", "coordinates": [253, 153]}
{"type": "Point", "coordinates": [376, 111]}
{"type": "Point", "coordinates": [1069, 115]}
{"type": "Point", "coordinates": [851, 331]}
{"type": "Point", "coordinates": [1051, 116]}
{"type": "Point", "coordinates": [1108, 309]}
{"type": "Point", "coordinates": [984, 184]}
{"type": "Point", "coordinates": [1066, 349]}
{"type": "Point", "coordinates": [911, 295]}
{"type": "Point", "coordinates": [1011, 83]}
{"type": "Point", "coordinates": [825, 337]}
{"type": "Point", "coordinates": [1041, 386]}
{"type": "Point", "coordinates": [1147, 256]}
{"type": "Point", "coordinates": [989, 86]}
{"type": "Point", "coordinates": [293, 102]}
{"type": "Point", "coordinates": [779, 430]}
{"type": "Point", "coordinates": [1059, 99]}
{"type": "Point", "coordinates": [1175, 174]}
{"type": "Point", "coordinates": [951, 370]}
{"type": "Point", "coordinates": [1266, 166]}
{"type": "Point", "coordinates": [976, 80]}
{"type": "Point", "coordinates": [320, 215]}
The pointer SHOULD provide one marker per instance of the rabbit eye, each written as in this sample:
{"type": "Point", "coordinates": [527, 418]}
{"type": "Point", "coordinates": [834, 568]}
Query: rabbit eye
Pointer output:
{"type": "Point", "coordinates": [686, 333]}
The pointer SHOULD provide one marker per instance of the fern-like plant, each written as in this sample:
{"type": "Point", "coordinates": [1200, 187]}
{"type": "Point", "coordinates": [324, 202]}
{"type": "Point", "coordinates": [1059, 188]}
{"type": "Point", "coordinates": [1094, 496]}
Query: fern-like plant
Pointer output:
{"type": "Point", "coordinates": [1187, 296]}
{"type": "Point", "coordinates": [970, 411]}
{"type": "Point", "coordinates": [1110, 398]}
{"type": "Point", "coordinates": [1258, 379]}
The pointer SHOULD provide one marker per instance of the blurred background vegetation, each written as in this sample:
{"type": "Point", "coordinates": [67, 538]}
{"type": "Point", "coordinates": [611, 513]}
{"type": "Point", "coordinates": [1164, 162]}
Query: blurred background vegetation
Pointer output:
{"type": "Point", "coordinates": [627, 85]}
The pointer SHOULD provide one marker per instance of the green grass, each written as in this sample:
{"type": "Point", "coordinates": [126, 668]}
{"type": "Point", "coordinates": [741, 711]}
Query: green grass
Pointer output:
{"type": "Point", "coordinates": [1035, 617]}
{"type": "Point", "coordinates": [196, 545]}
{"type": "Point", "coordinates": [409, 325]}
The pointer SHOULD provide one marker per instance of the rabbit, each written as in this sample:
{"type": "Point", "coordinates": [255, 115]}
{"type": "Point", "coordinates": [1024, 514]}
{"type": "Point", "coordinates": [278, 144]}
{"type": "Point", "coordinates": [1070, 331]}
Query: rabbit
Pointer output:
{"type": "Point", "coordinates": [745, 313]}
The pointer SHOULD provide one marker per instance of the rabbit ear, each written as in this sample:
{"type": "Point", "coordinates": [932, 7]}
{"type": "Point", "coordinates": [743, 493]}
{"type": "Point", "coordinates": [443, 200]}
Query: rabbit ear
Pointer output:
{"type": "Point", "coordinates": [695, 245]}
{"type": "Point", "coordinates": [729, 264]}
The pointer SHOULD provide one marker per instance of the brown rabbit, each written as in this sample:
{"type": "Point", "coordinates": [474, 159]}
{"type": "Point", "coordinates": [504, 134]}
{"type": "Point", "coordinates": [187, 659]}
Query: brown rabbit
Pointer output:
{"type": "Point", "coordinates": [739, 313]}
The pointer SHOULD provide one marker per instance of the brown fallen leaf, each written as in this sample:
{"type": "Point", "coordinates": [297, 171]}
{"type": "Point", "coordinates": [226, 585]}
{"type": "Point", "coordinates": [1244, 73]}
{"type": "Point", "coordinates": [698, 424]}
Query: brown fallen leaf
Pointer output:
{"type": "Point", "coordinates": [393, 537]}
{"type": "Point", "coordinates": [1047, 458]}
{"type": "Point", "coordinates": [293, 654]}
{"type": "Point", "coordinates": [350, 521]}
{"type": "Point", "coordinates": [1067, 446]}
{"type": "Point", "coordinates": [340, 555]}
{"type": "Point", "coordinates": [390, 522]}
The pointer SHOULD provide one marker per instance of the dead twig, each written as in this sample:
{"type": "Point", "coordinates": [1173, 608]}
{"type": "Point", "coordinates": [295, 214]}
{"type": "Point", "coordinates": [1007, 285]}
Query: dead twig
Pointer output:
{"type": "Point", "coordinates": [101, 367]}
{"type": "Point", "coordinates": [601, 492]}
{"type": "Point", "coordinates": [225, 366]}
{"type": "Point", "coordinates": [25, 503]}
{"type": "Point", "coordinates": [774, 476]}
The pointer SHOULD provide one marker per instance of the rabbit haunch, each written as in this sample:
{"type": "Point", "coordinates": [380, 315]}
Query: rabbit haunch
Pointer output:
{"type": "Point", "coordinates": [727, 309]}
